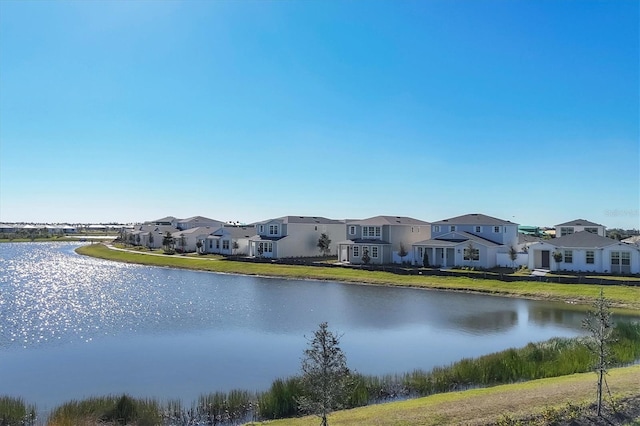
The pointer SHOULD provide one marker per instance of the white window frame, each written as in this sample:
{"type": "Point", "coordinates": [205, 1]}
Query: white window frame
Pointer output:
{"type": "Point", "coordinates": [356, 251]}
{"type": "Point", "coordinates": [568, 254]}
{"type": "Point", "coordinates": [436, 228]}
{"type": "Point", "coordinates": [261, 229]}
{"type": "Point", "coordinates": [478, 229]}
{"type": "Point", "coordinates": [225, 244]}
{"type": "Point", "coordinates": [374, 252]}
{"type": "Point", "coordinates": [452, 228]}
{"type": "Point", "coordinates": [352, 230]}
{"type": "Point", "coordinates": [590, 257]}
{"type": "Point", "coordinates": [273, 229]}
{"type": "Point", "coordinates": [496, 229]}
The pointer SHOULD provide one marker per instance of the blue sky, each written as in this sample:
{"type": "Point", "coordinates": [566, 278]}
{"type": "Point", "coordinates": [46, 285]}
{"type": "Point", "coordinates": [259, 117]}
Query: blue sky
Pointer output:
{"type": "Point", "coordinates": [247, 110]}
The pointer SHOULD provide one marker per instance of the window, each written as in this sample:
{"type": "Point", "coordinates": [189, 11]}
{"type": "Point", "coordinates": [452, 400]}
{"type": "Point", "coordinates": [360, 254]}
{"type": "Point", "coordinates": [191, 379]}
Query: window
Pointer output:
{"type": "Point", "coordinates": [356, 251]}
{"type": "Point", "coordinates": [436, 228]}
{"type": "Point", "coordinates": [478, 229]}
{"type": "Point", "coordinates": [225, 245]}
{"type": "Point", "coordinates": [420, 252]}
{"type": "Point", "coordinates": [374, 251]}
{"type": "Point", "coordinates": [210, 244]}
{"type": "Point", "coordinates": [626, 258]}
{"type": "Point", "coordinates": [592, 230]}
{"type": "Point", "coordinates": [261, 229]}
{"type": "Point", "coordinates": [496, 229]}
{"type": "Point", "coordinates": [568, 256]}
{"type": "Point", "coordinates": [615, 257]}
{"type": "Point", "coordinates": [590, 257]}
{"type": "Point", "coordinates": [217, 244]}
{"type": "Point", "coordinates": [265, 247]}
{"type": "Point", "coordinates": [566, 230]}
{"type": "Point", "coordinates": [352, 230]}
{"type": "Point", "coordinates": [370, 231]}
{"type": "Point", "coordinates": [452, 228]}
{"type": "Point", "coordinates": [273, 229]}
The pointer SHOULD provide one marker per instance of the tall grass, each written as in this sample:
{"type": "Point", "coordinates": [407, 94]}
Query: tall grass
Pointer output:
{"type": "Point", "coordinates": [14, 412]}
{"type": "Point", "coordinates": [107, 409]}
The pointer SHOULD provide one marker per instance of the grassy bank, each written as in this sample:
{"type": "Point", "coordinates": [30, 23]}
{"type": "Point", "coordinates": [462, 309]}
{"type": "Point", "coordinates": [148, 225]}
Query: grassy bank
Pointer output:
{"type": "Point", "coordinates": [543, 399]}
{"type": "Point", "coordinates": [624, 297]}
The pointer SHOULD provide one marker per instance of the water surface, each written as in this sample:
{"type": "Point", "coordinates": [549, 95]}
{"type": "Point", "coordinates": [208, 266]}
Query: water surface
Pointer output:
{"type": "Point", "coordinates": [74, 326]}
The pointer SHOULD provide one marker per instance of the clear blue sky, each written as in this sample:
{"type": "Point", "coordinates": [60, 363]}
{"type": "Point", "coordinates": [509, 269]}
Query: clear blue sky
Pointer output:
{"type": "Point", "coordinates": [248, 110]}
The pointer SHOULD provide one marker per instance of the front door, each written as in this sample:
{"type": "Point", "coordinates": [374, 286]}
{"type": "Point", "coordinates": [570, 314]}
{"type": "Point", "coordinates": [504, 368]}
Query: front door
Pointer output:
{"type": "Point", "coordinates": [545, 259]}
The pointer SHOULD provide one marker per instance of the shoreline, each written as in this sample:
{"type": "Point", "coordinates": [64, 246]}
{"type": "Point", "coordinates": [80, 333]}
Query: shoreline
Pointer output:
{"type": "Point", "coordinates": [624, 299]}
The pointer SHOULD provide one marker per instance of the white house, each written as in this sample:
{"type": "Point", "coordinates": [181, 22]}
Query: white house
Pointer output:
{"type": "Point", "coordinates": [294, 236]}
{"type": "Point", "coordinates": [228, 240]}
{"type": "Point", "coordinates": [186, 241]}
{"type": "Point", "coordinates": [585, 251]}
{"type": "Point", "coordinates": [579, 225]}
{"type": "Point", "coordinates": [469, 240]}
{"type": "Point", "coordinates": [381, 238]}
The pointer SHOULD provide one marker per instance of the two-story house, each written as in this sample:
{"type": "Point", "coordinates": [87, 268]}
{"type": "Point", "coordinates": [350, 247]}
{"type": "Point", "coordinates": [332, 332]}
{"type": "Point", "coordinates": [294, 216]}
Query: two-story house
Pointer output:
{"type": "Point", "coordinates": [294, 236]}
{"type": "Point", "coordinates": [468, 240]}
{"type": "Point", "coordinates": [579, 225]}
{"type": "Point", "coordinates": [381, 239]}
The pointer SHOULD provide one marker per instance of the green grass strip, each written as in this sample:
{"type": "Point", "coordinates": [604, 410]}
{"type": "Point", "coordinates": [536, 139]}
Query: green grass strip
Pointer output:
{"type": "Point", "coordinates": [622, 297]}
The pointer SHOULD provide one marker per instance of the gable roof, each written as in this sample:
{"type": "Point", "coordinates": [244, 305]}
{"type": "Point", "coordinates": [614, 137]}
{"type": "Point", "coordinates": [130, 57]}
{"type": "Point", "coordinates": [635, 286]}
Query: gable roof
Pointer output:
{"type": "Point", "coordinates": [582, 239]}
{"type": "Point", "coordinates": [164, 219]}
{"type": "Point", "coordinates": [198, 219]}
{"type": "Point", "coordinates": [474, 219]}
{"type": "Point", "coordinates": [388, 220]}
{"type": "Point", "coordinates": [236, 231]}
{"type": "Point", "coordinates": [304, 219]}
{"type": "Point", "coordinates": [454, 238]}
{"type": "Point", "coordinates": [579, 222]}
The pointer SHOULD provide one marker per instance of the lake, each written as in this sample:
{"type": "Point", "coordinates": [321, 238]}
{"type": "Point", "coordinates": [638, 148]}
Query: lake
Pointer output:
{"type": "Point", "coordinates": [73, 327]}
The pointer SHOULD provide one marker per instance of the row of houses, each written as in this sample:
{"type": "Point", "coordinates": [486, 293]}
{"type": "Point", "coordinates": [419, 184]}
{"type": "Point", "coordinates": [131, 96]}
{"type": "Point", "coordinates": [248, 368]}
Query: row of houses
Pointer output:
{"type": "Point", "coordinates": [474, 240]}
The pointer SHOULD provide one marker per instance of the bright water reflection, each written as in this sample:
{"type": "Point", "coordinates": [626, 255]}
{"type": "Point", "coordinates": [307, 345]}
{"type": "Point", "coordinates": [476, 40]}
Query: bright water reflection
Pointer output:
{"type": "Point", "coordinates": [72, 327]}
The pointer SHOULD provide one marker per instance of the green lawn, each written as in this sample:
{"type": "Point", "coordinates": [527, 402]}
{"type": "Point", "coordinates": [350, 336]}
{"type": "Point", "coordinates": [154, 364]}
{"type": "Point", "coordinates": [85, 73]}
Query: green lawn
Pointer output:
{"type": "Point", "coordinates": [624, 297]}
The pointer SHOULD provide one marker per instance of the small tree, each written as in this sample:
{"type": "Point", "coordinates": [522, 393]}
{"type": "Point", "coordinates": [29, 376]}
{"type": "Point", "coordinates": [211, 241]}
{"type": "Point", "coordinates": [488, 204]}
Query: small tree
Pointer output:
{"type": "Point", "coordinates": [137, 239]}
{"type": "Point", "coordinates": [402, 252]}
{"type": "Point", "coordinates": [167, 243]}
{"type": "Point", "coordinates": [260, 250]}
{"type": "Point", "coordinates": [199, 246]}
{"type": "Point", "coordinates": [235, 246]}
{"type": "Point", "coordinates": [325, 376]}
{"type": "Point", "coordinates": [324, 244]}
{"type": "Point", "coordinates": [183, 243]}
{"type": "Point", "coordinates": [151, 240]}
{"type": "Point", "coordinates": [600, 325]}
{"type": "Point", "coordinates": [365, 256]}
{"type": "Point", "coordinates": [557, 256]}
{"type": "Point", "coordinates": [471, 253]}
{"type": "Point", "coordinates": [513, 255]}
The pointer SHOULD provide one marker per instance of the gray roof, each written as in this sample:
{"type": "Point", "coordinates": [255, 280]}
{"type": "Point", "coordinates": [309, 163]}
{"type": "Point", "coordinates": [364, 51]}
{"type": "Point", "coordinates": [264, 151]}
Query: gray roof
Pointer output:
{"type": "Point", "coordinates": [474, 219]}
{"type": "Point", "coordinates": [465, 237]}
{"type": "Point", "coordinates": [579, 222]}
{"type": "Point", "coordinates": [582, 239]}
{"type": "Point", "coordinates": [388, 220]}
{"type": "Point", "coordinates": [198, 219]}
{"type": "Point", "coordinates": [364, 241]}
{"type": "Point", "coordinates": [237, 231]}
{"type": "Point", "coordinates": [164, 219]}
{"type": "Point", "coordinates": [305, 219]}
{"type": "Point", "coordinates": [198, 230]}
